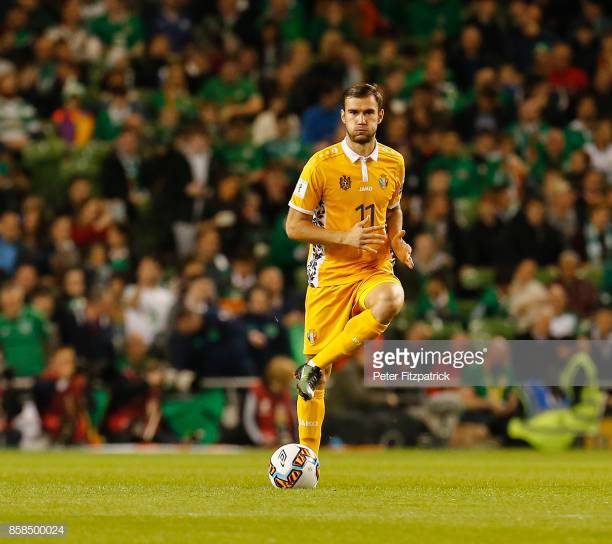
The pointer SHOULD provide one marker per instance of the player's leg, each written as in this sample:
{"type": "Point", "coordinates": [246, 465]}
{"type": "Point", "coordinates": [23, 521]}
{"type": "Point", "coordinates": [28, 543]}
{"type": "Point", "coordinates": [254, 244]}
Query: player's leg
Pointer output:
{"type": "Point", "coordinates": [381, 298]}
{"type": "Point", "coordinates": [310, 414]}
{"type": "Point", "coordinates": [327, 311]}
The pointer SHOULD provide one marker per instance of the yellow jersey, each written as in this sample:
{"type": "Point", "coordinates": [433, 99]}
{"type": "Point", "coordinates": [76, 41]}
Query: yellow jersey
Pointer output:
{"type": "Point", "coordinates": [338, 188]}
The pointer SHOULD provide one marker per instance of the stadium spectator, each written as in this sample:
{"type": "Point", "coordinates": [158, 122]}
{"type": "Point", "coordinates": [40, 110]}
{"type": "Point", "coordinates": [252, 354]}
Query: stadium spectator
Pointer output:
{"type": "Point", "coordinates": [10, 247]}
{"type": "Point", "coordinates": [118, 112]}
{"type": "Point", "coordinates": [469, 57]}
{"type": "Point", "coordinates": [600, 150]}
{"type": "Point", "coordinates": [209, 345]}
{"type": "Point", "coordinates": [563, 74]}
{"type": "Point", "coordinates": [526, 294]}
{"type": "Point", "coordinates": [84, 46]}
{"type": "Point", "coordinates": [18, 118]}
{"type": "Point", "coordinates": [61, 398]}
{"type": "Point", "coordinates": [563, 323]}
{"type": "Point", "coordinates": [598, 236]}
{"type": "Point", "coordinates": [92, 223]}
{"type": "Point", "coordinates": [171, 23]}
{"type": "Point", "coordinates": [581, 294]}
{"type": "Point", "coordinates": [436, 301]}
{"type": "Point", "coordinates": [494, 301]}
{"type": "Point", "coordinates": [23, 333]}
{"type": "Point", "coordinates": [429, 259]}
{"type": "Point", "coordinates": [183, 183]}
{"type": "Point", "coordinates": [561, 210]}
{"type": "Point", "coordinates": [602, 325]}
{"type": "Point", "coordinates": [483, 239]}
{"type": "Point", "coordinates": [63, 252]}
{"type": "Point", "coordinates": [119, 30]}
{"type": "Point", "coordinates": [266, 335]}
{"type": "Point", "coordinates": [121, 176]}
{"type": "Point", "coordinates": [320, 121]}
{"type": "Point", "coordinates": [148, 303]}
{"type": "Point", "coordinates": [269, 414]}
{"type": "Point", "coordinates": [72, 123]}
{"type": "Point", "coordinates": [231, 94]}
{"type": "Point", "coordinates": [531, 237]}
{"type": "Point", "coordinates": [134, 409]}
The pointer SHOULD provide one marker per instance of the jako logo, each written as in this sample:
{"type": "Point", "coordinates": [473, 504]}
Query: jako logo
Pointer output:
{"type": "Point", "coordinates": [365, 189]}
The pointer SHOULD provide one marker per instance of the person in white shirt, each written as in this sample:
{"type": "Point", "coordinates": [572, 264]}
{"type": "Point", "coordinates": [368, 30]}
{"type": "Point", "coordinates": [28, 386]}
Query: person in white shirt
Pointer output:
{"type": "Point", "coordinates": [82, 44]}
{"type": "Point", "coordinates": [600, 150]}
{"type": "Point", "coordinates": [148, 303]}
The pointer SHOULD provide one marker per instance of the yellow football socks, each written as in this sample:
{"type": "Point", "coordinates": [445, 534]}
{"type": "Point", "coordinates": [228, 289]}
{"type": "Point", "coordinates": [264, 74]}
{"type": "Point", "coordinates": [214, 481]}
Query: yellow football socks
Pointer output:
{"type": "Point", "coordinates": [310, 419]}
{"type": "Point", "coordinates": [363, 326]}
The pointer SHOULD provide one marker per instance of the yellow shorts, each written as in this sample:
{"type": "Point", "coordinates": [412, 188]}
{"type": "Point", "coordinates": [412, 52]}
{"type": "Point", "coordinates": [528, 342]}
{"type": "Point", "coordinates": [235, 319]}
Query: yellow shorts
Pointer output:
{"type": "Point", "coordinates": [329, 308]}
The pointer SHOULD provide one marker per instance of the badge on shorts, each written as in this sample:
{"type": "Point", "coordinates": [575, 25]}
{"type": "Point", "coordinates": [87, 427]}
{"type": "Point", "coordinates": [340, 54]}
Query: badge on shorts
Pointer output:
{"type": "Point", "coordinates": [345, 183]}
{"type": "Point", "coordinates": [312, 336]}
{"type": "Point", "coordinates": [383, 182]}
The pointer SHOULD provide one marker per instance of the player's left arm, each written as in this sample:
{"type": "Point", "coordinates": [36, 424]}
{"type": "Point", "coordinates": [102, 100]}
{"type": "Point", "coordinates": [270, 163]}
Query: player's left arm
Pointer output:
{"type": "Point", "coordinates": [395, 232]}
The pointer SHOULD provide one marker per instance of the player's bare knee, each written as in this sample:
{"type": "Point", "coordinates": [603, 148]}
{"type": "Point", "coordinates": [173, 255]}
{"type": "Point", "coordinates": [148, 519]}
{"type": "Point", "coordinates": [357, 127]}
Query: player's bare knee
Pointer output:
{"type": "Point", "coordinates": [389, 304]}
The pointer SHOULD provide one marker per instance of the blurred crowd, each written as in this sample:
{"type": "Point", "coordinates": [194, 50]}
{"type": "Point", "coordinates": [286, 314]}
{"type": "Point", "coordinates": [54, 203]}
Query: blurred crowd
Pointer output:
{"type": "Point", "coordinates": [148, 150]}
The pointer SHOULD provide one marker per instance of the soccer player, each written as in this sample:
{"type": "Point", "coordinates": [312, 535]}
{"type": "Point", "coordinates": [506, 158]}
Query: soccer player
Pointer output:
{"type": "Point", "coordinates": [346, 205]}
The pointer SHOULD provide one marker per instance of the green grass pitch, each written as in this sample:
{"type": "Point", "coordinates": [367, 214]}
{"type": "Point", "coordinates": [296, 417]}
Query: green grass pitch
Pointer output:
{"type": "Point", "coordinates": [363, 496]}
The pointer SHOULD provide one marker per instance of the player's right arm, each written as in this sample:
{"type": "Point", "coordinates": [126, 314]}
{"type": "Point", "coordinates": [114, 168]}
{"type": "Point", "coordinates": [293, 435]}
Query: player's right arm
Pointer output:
{"type": "Point", "coordinates": [299, 226]}
{"type": "Point", "coordinates": [306, 197]}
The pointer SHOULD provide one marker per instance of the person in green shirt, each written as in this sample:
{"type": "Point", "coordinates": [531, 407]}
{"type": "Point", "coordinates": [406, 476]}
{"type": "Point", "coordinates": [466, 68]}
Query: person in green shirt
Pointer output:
{"type": "Point", "coordinates": [489, 161]}
{"type": "Point", "coordinates": [289, 16]}
{"type": "Point", "coordinates": [553, 155]}
{"type": "Point", "coordinates": [437, 301]}
{"type": "Point", "coordinates": [172, 102]}
{"type": "Point", "coordinates": [529, 130]}
{"type": "Point", "coordinates": [493, 301]}
{"type": "Point", "coordinates": [464, 179]}
{"type": "Point", "coordinates": [231, 94]}
{"type": "Point", "coordinates": [287, 149]}
{"type": "Point", "coordinates": [437, 76]}
{"type": "Point", "coordinates": [236, 153]}
{"type": "Point", "coordinates": [332, 18]}
{"type": "Point", "coordinates": [115, 114]}
{"type": "Point", "coordinates": [580, 131]}
{"type": "Point", "coordinates": [23, 333]}
{"type": "Point", "coordinates": [119, 28]}
{"type": "Point", "coordinates": [432, 20]}
{"type": "Point", "coordinates": [16, 32]}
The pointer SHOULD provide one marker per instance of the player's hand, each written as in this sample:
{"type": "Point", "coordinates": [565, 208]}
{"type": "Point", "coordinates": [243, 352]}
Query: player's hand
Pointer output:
{"type": "Point", "coordinates": [363, 237]}
{"type": "Point", "coordinates": [402, 250]}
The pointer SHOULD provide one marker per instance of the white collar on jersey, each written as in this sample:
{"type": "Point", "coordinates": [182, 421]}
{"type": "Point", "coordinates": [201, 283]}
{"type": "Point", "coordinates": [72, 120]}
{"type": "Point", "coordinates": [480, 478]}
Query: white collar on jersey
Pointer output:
{"type": "Point", "coordinates": [354, 157]}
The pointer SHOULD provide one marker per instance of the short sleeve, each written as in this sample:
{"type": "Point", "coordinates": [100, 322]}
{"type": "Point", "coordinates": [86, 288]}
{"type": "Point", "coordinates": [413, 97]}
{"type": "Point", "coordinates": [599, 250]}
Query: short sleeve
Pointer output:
{"type": "Point", "coordinates": [397, 193]}
{"type": "Point", "coordinates": [308, 190]}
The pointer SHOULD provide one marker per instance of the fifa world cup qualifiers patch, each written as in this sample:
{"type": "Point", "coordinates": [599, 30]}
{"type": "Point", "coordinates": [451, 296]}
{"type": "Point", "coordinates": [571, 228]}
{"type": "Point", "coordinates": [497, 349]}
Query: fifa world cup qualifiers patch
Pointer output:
{"type": "Point", "coordinates": [300, 188]}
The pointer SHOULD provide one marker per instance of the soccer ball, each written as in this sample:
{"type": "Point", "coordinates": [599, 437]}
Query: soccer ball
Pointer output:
{"type": "Point", "coordinates": [294, 465]}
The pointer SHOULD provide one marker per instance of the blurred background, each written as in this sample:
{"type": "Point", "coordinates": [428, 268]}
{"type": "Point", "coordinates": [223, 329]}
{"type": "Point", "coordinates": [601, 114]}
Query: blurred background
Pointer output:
{"type": "Point", "coordinates": [148, 150]}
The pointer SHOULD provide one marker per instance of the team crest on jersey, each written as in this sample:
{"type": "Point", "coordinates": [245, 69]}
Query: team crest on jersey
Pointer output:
{"type": "Point", "coordinates": [383, 182]}
{"type": "Point", "coordinates": [345, 183]}
{"type": "Point", "coordinates": [312, 336]}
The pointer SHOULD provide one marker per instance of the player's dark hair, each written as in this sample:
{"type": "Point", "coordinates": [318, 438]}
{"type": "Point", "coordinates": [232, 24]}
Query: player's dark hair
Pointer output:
{"type": "Point", "coordinates": [363, 90]}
